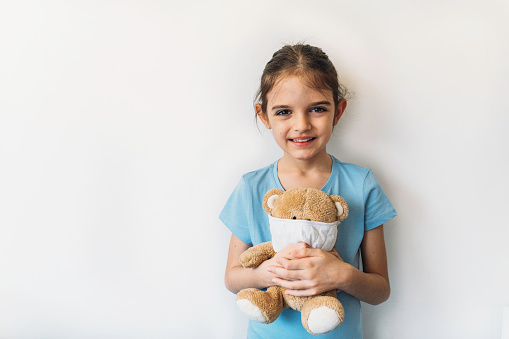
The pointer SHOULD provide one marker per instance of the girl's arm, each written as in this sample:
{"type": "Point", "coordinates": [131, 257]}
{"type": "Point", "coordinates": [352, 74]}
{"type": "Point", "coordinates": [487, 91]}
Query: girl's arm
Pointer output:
{"type": "Point", "coordinates": [237, 277]}
{"type": "Point", "coordinates": [372, 284]}
{"type": "Point", "coordinates": [313, 271]}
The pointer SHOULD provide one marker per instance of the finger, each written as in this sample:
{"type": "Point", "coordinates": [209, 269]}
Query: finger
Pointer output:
{"type": "Point", "coordinates": [294, 285]}
{"type": "Point", "coordinates": [334, 253]}
{"type": "Point", "coordinates": [285, 255]}
{"type": "Point", "coordinates": [288, 251]}
{"type": "Point", "coordinates": [285, 274]}
{"type": "Point", "coordinates": [276, 262]}
{"type": "Point", "coordinates": [307, 252]}
{"type": "Point", "coordinates": [295, 264]}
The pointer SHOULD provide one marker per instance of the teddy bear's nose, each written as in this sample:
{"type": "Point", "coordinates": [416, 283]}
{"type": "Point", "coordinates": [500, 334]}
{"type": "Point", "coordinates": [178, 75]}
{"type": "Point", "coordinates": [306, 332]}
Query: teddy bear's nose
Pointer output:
{"type": "Point", "coordinates": [294, 218]}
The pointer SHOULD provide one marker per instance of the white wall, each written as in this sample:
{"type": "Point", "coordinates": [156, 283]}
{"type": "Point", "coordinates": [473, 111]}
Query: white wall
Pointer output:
{"type": "Point", "coordinates": [126, 124]}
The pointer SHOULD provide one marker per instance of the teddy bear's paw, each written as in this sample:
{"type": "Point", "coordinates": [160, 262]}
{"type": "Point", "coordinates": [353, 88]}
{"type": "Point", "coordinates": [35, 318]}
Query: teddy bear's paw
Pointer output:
{"type": "Point", "coordinates": [322, 314]}
{"type": "Point", "coordinates": [260, 306]}
{"type": "Point", "coordinates": [323, 319]}
{"type": "Point", "coordinates": [254, 256]}
{"type": "Point", "coordinates": [251, 311]}
{"type": "Point", "coordinates": [250, 260]}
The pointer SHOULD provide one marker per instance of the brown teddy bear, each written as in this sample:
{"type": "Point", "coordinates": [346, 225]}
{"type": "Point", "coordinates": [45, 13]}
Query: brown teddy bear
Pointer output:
{"type": "Point", "coordinates": [297, 215]}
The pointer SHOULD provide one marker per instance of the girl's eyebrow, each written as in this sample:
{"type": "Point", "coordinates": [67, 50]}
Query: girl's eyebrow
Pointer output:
{"type": "Point", "coordinates": [321, 103]}
{"type": "Point", "coordinates": [279, 107]}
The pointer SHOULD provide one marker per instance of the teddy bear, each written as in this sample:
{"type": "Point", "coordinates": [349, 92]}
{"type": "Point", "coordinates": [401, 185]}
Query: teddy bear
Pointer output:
{"type": "Point", "coordinates": [298, 215]}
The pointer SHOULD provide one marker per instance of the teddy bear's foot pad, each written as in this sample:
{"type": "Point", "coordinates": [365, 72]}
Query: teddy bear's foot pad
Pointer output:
{"type": "Point", "coordinates": [323, 319]}
{"type": "Point", "coordinates": [251, 311]}
{"type": "Point", "coordinates": [260, 306]}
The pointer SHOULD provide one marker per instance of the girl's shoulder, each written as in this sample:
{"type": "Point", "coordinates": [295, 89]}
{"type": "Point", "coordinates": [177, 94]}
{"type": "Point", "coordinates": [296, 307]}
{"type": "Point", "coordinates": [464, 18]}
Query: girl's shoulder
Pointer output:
{"type": "Point", "coordinates": [350, 169]}
{"type": "Point", "coordinates": [259, 181]}
{"type": "Point", "coordinates": [260, 175]}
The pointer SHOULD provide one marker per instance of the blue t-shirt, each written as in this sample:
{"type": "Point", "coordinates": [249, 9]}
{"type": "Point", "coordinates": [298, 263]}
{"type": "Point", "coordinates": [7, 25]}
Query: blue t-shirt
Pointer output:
{"type": "Point", "coordinates": [368, 207]}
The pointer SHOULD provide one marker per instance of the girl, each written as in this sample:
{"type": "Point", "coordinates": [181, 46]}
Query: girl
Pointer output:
{"type": "Point", "coordinates": [301, 100]}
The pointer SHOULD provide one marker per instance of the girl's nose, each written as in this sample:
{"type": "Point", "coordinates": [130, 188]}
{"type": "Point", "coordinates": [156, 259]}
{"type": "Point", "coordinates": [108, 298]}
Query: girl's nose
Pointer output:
{"type": "Point", "coordinates": [301, 122]}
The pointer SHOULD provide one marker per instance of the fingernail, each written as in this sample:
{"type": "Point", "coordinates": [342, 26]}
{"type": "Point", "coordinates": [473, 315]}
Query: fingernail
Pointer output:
{"type": "Point", "coordinates": [269, 269]}
{"type": "Point", "coordinates": [278, 261]}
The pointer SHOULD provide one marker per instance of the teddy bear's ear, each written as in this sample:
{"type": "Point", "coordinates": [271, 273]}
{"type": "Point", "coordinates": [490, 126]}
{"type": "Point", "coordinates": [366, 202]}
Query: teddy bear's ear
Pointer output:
{"type": "Point", "coordinates": [341, 206]}
{"type": "Point", "coordinates": [270, 198]}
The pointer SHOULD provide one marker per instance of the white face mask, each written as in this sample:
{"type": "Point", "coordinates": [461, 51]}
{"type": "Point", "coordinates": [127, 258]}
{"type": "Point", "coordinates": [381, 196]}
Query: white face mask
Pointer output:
{"type": "Point", "coordinates": [316, 234]}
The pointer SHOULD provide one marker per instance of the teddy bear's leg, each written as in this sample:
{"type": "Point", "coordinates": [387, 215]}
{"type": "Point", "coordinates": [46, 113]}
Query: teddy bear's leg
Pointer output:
{"type": "Point", "coordinates": [260, 306]}
{"type": "Point", "coordinates": [322, 314]}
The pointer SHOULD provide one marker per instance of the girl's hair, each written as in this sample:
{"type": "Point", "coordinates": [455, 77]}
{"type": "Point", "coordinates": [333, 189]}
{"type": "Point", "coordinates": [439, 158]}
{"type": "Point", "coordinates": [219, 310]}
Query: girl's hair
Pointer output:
{"type": "Point", "coordinates": [309, 63]}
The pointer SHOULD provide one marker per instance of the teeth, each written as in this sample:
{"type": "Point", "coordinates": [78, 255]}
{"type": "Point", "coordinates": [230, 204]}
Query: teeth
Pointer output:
{"type": "Point", "coordinates": [301, 140]}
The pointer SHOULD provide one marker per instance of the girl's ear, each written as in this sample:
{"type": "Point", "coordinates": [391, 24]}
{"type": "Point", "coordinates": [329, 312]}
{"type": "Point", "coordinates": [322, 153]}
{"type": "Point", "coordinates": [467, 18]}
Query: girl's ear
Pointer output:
{"type": "Point", "coordinates": [340, 109]}
{"type": "Point", "coordinates": [262, 115]}
{"type": "Point", "coordinates": [341, 207]}
{"type": "Point", "coordinates": [270, 199]}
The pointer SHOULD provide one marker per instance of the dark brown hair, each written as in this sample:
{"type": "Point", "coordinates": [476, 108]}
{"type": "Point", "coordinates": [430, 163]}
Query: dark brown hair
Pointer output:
{"type": "Point", "coordinates": [308, 62]}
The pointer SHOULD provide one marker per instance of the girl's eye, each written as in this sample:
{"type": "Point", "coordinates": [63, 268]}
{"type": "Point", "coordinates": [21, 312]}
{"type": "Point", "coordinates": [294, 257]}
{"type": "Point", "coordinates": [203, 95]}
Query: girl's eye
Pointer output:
{"type": "Point", "coordinates": [283, 112]}
{"type": "Point", "coordinates": [318, 109]}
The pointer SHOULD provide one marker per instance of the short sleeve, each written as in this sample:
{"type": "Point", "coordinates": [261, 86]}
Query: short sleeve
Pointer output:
{"type": "Point", "coordinates": [377, 207]}
{"type": "Point", "coordinates": [235, 214]}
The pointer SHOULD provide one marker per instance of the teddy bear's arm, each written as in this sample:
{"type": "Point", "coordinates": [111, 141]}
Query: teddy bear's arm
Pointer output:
{"type": "Point", "coordinates": [255, 255]}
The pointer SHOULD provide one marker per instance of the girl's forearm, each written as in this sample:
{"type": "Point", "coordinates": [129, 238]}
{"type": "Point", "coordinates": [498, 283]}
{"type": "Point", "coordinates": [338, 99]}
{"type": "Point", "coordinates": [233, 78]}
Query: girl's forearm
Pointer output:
{"type": "Point", "coordinates": [371, 288]}
{"type": "Point", "coordinates": [238, 278]}
{"type": "Point", "coordinates": [372, 284]}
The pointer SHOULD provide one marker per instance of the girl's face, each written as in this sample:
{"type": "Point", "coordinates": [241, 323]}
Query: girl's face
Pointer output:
{"type": "Point", "coordinates": [301, 118]}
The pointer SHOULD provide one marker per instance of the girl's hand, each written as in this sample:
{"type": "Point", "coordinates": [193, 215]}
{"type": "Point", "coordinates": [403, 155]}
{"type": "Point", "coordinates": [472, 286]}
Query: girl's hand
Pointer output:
{"type": "Point", "coordinates": [264, 274]}
{"type": "Point", "coordinates": [305, 271]}
{"type": "Point", "coordinates": [290, 250]}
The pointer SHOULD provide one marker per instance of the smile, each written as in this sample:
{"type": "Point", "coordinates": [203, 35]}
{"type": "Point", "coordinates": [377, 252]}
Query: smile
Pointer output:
{"type": "Point", "coordinates": [302, 140]}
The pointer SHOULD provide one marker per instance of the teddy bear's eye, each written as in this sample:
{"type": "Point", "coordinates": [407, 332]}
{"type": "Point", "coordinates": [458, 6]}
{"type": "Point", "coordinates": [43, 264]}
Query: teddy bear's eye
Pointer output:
{"type": "Point", "coordinates": [309, 219]}
{"type": "Point", "coordinates": [294, 218]}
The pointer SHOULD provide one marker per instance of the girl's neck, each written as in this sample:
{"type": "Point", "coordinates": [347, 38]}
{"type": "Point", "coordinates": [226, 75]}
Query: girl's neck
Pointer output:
{"type": "Point", "coordinates": [309, 173]}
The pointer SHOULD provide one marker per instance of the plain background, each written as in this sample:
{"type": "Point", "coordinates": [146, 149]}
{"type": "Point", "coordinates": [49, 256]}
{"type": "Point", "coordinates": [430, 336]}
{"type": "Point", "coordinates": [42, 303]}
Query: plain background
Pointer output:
{"type": "Point", "coordinates": [125, 125]}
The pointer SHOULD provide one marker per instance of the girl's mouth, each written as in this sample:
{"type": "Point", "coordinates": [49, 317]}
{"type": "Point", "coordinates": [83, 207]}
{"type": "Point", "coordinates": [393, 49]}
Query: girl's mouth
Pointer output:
{"type": "Point", "coordinates": [301, 140]}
